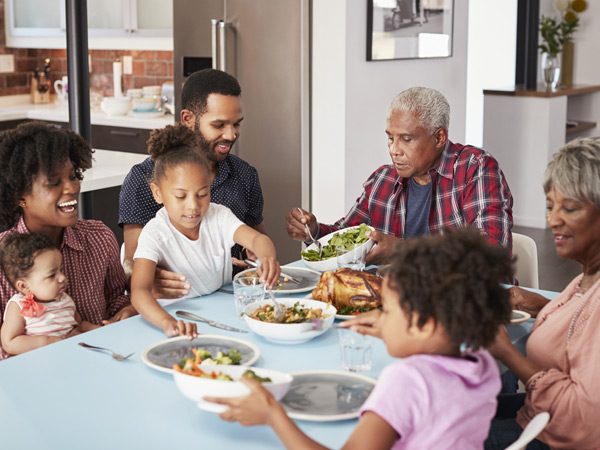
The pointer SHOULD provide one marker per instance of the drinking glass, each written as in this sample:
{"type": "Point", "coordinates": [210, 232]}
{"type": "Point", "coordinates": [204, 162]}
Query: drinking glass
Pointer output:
{"type": "Point", "coordinates": [247, 290]}
{"type": "Point", "coordinates": [352, 256]}
{"type": "Point", "coordinates": [356, 351]}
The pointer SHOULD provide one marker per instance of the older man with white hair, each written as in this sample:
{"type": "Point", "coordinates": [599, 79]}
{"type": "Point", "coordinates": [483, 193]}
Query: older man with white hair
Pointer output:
{"type": "Point", "coordinates": [432, 183]}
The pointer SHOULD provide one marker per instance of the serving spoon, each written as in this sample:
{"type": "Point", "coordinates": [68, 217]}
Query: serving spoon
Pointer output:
{"type": "Point", "coordinates": [314, 241]}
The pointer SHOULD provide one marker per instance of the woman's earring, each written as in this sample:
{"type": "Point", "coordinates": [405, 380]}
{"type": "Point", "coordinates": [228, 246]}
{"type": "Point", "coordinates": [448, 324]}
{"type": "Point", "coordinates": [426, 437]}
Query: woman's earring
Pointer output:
{"type": "Point", "coordinates": [22, 204]}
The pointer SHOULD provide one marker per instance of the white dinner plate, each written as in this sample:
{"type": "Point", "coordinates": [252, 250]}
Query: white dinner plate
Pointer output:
{"type": "Point", "coordinates": [148, 114]}
{"type": "Point", "coordinates": [326, 395]}
{"type": "Point", "coordinates": [519, 316]}
{"type": "Point", "coordinates": [164, 354]}
{"type": "Point", "coordinates": [308, 279]}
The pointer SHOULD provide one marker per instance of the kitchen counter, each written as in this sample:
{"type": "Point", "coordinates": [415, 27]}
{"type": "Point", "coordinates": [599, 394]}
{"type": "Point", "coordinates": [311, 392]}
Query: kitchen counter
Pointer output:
{"type": "Point", "coordinates": [19, 107]}
{"type": "Point", "coordinates": [109, 169]}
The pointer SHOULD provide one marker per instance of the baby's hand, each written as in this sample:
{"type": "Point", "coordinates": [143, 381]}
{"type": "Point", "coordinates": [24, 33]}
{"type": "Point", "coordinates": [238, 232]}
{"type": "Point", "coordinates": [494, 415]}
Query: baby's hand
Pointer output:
{"type": "Point", "coordinates": [269, 271]}
{"type": "Point", "coordinates": [180, 328]}
{"type": "Point", "coordinates": [53, 339]}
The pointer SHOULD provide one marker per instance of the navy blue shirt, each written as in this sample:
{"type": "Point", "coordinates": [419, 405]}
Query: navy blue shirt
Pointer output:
{"type": "Point", "coordinates": [417, 209]}
{"type": "Point", "coordinates": [236, 186]}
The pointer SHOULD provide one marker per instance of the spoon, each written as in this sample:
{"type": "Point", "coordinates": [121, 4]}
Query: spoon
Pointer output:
{"type": "Point", "coordinates": [278, 311]}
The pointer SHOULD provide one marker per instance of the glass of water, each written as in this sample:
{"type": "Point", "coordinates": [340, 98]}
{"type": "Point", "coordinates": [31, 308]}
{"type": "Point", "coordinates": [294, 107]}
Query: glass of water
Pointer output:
{"type": "Point", "coordinates": [356, 351]}
{"type": "Point", "coordinates": [352, 256]}
{"type": "Point", "coordinates": [246, 290]}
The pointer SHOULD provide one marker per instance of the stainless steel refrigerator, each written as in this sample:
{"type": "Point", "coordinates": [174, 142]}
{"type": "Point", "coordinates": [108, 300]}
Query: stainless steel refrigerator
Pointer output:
{"type": "Point", "coordinates": [265, 44]}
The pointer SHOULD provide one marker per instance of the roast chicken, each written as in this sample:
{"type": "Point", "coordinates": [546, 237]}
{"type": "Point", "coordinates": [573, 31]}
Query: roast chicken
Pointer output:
{"type": "Point", "coordinates": [347, 287]}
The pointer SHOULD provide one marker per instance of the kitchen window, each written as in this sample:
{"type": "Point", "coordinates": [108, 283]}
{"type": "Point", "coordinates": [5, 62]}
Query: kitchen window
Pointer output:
{"type": "Point", "coordinates": [112, 24]}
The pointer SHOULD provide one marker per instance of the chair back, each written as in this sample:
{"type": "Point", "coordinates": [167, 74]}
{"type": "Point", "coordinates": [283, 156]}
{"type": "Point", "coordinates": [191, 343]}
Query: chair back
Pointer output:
{"type": "Point", "coordinates": [526, 266]}
{"type": "Point", "coordinates": [531, 431]}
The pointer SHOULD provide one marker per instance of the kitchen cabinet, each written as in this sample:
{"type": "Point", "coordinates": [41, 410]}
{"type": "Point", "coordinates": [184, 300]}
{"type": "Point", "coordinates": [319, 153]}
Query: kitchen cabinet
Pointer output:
{"type": "Point", "coordinates": [523, 128]}
{"type": "Point", "coordinates": [112, 24]}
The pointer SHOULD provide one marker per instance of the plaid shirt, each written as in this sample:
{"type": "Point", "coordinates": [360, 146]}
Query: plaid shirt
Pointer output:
{"type": "Point", "coordinates": [95, 277]}
{"type": "Point", "coordinates": [468, 187]}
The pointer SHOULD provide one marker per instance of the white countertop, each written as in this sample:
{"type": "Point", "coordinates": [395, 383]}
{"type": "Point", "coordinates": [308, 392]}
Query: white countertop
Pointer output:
{"type": "Point", "coordinates": [15, 107]}
{"type": "Point", "coordinates": [109, 169]}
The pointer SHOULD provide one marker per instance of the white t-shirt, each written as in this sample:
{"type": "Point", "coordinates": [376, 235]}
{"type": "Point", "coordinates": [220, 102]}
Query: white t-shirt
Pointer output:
{"type": "Point", "coordinates": [205, 262]}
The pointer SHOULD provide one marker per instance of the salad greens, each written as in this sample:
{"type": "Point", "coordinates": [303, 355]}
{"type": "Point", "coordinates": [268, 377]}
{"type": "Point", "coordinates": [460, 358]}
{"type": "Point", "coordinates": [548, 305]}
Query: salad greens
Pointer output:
{"type": "Point", "coordinates": [347, 238]}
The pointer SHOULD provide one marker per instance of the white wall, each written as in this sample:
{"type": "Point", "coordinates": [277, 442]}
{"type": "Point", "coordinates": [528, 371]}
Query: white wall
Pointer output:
{"type": "Point", "coordinates": [491, 57]}
{"type": "Point", "coordinates": [350, 105]}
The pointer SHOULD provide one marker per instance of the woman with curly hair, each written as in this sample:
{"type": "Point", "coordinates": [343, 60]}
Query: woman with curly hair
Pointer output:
{"type": "Point", "coordinates": [441, 294]}
{"type": "Point", "coordinates": [41, 169]}
{"type": "Point", "coordinates": [560, 371]}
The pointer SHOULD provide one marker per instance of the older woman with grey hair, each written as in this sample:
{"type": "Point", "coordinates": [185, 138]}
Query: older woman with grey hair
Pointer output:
{"type": "Point", "coordinates": [432, 183]}
{"type": "Point", "coordinates": [563, 351]}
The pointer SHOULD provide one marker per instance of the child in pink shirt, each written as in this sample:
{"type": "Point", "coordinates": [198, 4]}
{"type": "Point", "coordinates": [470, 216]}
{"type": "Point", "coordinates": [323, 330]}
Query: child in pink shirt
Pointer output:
{"type": "Point", "coordinates": [42, 312]}
{"type": "Point", "coordinates": [442, 301]}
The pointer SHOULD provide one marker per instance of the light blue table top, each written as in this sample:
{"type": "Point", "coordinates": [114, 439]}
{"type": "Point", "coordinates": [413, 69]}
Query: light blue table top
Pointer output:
{"type": "Point", "coordinates": [64, 396]}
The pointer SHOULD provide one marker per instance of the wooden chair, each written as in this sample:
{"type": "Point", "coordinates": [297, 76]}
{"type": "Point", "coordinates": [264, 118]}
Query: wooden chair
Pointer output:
{"type": "Point", "coordinates": [526, 266]}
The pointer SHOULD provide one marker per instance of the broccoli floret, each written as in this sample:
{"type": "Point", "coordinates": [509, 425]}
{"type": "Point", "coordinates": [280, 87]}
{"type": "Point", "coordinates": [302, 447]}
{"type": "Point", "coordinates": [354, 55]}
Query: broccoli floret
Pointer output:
{"type": "Point", "coordinates": [250, 374]}
{"type": "Point", "coordinates": [224, 377]}
{"type": "Point", "coordinates": [204, 354]}
{"type": "Point", "coordinates": [235, 356]}
{"type": "Point", "coordinates": [225, 361]}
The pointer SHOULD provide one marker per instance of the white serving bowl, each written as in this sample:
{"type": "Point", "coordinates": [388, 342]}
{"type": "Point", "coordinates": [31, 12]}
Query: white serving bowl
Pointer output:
{"type": "Point", "coordinates": [331, 263]}
{"type": "Point", "coordinates": [115, 106]}
{"type": "Point", "coordinates": [144, 104]}
{"type": "Point", "coordinates": [196, 388]}
{"type": "Point", "coordinates": [289, 333]}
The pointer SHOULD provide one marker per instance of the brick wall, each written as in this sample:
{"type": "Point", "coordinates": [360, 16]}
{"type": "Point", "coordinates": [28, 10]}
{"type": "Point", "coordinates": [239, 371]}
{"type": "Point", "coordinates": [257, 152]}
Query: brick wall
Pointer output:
{"type": "Point", "coordinates": [149, 67]}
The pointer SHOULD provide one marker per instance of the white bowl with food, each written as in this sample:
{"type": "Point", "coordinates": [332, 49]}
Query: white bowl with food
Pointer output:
{"type": "Point", "coordinates": [329, 259]}
{"type": "Point", "coordinates": [195, 386]}
{"type": "Point", "coordinates": [299, 326]}
{"type": "Point", "coordinates": [115, 106]}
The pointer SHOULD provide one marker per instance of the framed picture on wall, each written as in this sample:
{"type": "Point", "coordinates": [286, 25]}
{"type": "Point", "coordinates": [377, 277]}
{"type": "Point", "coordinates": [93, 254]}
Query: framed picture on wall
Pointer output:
{"type": "Point", "coordinates": [406, 29]}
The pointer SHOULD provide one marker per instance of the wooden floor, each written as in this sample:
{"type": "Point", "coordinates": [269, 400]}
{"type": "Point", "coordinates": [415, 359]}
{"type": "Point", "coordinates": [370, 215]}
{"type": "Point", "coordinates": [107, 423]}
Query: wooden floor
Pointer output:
{"type": "Point", "coordinates": [554, 272]}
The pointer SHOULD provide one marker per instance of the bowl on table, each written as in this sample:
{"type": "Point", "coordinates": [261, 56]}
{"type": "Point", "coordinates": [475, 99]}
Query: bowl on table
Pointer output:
{"type": "Point", "coordinates": [290, 333]}
{"type": "Point", "coordinates": [115, 106]}
{"type": "Point", "coordinates": [195, 388]}
{"type": "Point", "coordinates": [144, 104]}
{"type": "Point", "coordinates": [331, 263]}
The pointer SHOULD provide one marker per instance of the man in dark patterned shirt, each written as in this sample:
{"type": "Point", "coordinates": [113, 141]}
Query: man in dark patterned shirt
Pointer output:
{"type": "Point", "coordinates": [432, 183]}
{"type": "Point", "coordinates": [212, 107]}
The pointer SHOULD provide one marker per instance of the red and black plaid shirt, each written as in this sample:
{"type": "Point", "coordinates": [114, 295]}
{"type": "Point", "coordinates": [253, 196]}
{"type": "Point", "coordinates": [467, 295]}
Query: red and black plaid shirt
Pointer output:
{"type": "Point", "coordinates": [468, 187]}
{"type": "Point", "coordinates": [91, 261]}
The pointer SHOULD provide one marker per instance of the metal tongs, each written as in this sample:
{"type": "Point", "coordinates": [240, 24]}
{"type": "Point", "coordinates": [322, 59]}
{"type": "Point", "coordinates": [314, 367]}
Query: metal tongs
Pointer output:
{"type": "Point", "coordinates": [256, 265]}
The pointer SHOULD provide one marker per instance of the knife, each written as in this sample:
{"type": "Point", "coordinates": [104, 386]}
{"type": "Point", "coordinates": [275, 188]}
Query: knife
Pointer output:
{"type": "Point", "coordinates": [212, 323]}
{"type": "Point", "coordinates": [285, 275]}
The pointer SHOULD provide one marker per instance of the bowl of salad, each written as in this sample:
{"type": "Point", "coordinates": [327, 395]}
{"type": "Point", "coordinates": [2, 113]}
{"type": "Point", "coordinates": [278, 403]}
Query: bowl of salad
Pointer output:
{"type": "Point", "coordinates": [196, 382]}
{"type": "Point", "coordinates": [328, 260]}
{"type": "Point", "coordinates": [305, 319]}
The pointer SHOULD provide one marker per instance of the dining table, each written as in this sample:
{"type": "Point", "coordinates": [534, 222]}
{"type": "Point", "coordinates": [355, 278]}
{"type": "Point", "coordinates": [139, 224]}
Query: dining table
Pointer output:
{"type": "Point", "coordinates": [64, 396]}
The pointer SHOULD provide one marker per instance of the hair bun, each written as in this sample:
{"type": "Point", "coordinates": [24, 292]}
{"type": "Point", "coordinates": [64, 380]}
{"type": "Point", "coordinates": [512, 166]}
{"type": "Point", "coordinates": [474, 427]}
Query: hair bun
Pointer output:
{"type": "Point", "coordinates": [172, 137]}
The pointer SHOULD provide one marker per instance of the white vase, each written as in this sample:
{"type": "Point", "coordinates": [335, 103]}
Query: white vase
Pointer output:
{"type": "Point", "coordinates": [551, 70]}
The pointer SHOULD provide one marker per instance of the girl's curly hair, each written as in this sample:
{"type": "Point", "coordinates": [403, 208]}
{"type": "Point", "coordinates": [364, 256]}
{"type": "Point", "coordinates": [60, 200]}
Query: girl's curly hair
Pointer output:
{"type": "Point", "coordinates": [30, 149]}
{"type": "Point", "coordinates": [18, 252]}
{"type": "Point", "coordinates": [172, 146]}
{"type": "Point", "coordinates": [454, 278]}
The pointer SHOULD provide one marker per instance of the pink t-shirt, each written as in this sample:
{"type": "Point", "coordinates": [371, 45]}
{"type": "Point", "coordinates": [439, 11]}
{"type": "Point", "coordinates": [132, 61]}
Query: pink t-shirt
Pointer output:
{"type": "Point", "coordinates": [57, 320]}
{"type": "Point", "coordinates": [435, 401]}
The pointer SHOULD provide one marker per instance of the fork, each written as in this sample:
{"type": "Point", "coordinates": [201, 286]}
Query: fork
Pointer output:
{"type": "Point", "coordinates": [314, 241]}
{"type": "Point", "coordinates": [113, 354]}
{"type": "Point", "coordinates": [318, 325]}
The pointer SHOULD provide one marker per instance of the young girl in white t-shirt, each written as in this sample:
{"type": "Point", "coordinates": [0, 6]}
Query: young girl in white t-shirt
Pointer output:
{"type": "Point", "coordinates": [441, 292]}
{"type": "Point", "coordinates": [42, 312]}
{"type": "Point", "coordinates": [189, 235]}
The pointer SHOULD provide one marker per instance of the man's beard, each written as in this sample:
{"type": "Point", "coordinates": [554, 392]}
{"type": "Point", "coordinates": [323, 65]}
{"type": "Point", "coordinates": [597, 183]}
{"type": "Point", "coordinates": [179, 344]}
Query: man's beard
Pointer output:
{"type": "Point", "coordinates": [209, 148]}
